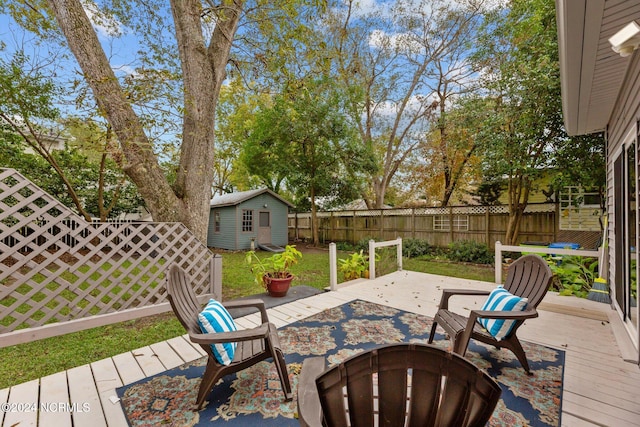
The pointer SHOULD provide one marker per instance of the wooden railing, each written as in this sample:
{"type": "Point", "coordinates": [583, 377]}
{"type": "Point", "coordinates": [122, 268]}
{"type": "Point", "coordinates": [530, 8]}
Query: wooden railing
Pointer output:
{"type": "Point", "coordinates": [60, 274]}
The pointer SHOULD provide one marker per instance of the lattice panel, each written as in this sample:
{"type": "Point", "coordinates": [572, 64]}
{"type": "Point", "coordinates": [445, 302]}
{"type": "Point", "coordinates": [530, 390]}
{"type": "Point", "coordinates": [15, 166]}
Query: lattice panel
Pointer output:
{"type": "Point", "coordinates": [54, 266]}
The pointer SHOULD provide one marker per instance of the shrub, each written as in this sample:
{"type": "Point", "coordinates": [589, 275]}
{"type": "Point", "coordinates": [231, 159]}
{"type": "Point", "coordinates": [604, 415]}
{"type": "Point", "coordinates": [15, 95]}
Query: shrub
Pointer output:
{"type": "Point", "coordinates": [412, 248]}
{"type": "Point", "coordinates": [354, 266]}
{"type": "Point", "coordinates": [363, 244]}
{"type": "Point", "coordinates": [470, 251]}
{"type": "Point", "coordinates": [573, 275]}
{"type": "Point", "coordinates": [344, 246]}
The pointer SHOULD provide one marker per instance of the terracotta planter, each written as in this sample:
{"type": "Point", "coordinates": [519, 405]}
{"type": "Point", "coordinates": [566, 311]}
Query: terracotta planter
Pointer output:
{"type": "Point", "coordinates": [278, 287]}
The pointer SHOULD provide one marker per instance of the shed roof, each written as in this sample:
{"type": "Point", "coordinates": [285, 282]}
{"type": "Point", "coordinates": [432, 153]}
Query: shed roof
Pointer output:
{"type": "Point", "coordinates": [591, 72]}
{"type": "Point", "coordinates": [233, 199]}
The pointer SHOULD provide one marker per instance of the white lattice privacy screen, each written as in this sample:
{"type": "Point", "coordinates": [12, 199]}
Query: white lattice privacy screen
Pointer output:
{"type": "Point", "coordinates": [59, 273]}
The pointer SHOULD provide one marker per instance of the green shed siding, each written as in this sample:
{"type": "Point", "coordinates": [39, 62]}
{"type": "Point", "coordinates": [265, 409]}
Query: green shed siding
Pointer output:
{"type": "Point", "coordinates": [226, 237]}
{"type": "Point", "coordinates": [231, 235]}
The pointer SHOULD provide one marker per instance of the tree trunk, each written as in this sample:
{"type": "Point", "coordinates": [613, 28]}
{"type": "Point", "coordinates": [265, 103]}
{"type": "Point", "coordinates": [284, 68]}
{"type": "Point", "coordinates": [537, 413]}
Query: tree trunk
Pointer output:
{"type": "Point", "coordinates": [315, 236]}
{"type": "Point", "coordinates": [519, 187]}
{"type": "Point", "coordinates": [203, 72]}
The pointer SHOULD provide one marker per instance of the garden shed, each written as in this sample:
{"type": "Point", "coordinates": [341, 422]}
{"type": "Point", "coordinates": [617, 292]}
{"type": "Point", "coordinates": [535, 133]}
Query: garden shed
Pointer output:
{"type": "Point", "coordinates": [237, 220]}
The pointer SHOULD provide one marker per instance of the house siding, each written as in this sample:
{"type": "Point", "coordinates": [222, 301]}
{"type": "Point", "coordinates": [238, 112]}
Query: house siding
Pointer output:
{"type": "Point", "coordinates": [623, 126]}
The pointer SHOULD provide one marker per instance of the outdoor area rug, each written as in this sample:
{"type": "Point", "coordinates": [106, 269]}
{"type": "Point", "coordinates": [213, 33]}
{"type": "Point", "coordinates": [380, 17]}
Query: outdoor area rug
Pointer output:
{"type": "Point", "coordinates": [254, 397]}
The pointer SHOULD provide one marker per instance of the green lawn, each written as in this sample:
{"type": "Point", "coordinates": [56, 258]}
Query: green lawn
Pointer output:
{"type": "Point", "coordinates": [44, 357]}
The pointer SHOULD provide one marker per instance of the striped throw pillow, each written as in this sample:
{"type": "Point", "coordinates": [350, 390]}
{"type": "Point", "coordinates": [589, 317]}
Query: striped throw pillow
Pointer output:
{"type": "Point", "coordinates": [501, 300]}
{"type": "Point", "coordinates": [215, 318]}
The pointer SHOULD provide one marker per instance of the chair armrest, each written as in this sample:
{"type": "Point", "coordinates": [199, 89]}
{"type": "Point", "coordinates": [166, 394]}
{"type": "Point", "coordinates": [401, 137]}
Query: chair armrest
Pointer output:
{"type": "Point", "coordinates": [448, 293]}
{"type": "Point", "coordinates": [252, 302]}
{"type": "Point", "coordinates": [221, 337]}
{"type": "Point", "coordinates": [309, 409]}
{"type": "Point", "coordinates": [529, 313]}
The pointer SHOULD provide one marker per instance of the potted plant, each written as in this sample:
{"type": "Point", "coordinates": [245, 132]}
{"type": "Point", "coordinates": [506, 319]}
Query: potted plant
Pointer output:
{"type": "Point", "coordinates": [273, 272]}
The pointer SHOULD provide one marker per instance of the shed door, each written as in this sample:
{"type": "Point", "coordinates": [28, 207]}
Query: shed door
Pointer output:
{"type": "Point", "coordinates": [264, 227]}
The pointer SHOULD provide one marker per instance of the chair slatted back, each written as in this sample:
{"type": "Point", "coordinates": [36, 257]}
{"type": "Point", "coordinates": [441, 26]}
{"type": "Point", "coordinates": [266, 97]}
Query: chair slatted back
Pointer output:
{"type": "Point", "coordinates": [529, 277]}
{"type": "Point", "coordinates": [183, 300]}
{"type": "Point", "coordinates": [406, 384]}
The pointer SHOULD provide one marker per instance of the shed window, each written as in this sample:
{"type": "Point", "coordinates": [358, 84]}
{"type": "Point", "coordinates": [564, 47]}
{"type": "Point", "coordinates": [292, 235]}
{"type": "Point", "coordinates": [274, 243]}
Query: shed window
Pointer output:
{"type": "Point", "coordinates": [247, 220]}
{"type": "Point", "coordinates": [216, 221]}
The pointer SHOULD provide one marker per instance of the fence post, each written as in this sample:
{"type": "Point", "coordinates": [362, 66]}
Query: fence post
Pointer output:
{"type": "Point", "coordinates": [333, 266]}
{"type": "Point", "coordinates": [498, 262]}
{"type": "Point", "coordinates": [451, 232]}
{"type": "Point", "coordinates": [372, 259]}
{"type": "Point", "coordinates": [215, 276]}
{"type": "Point", "coordinates": [413, 223]}
{"type": "Point", "coordinates": [487, 225]}
{"type": "Point", "coordinates": [399, 253]}
{"type": "Point", "coordinates": [353, 228]}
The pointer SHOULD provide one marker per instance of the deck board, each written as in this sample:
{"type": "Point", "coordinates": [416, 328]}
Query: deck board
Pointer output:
{"type": "Point", "coordinates": [185, 349]}
{"type": "Point", "coordinates": [4, 395]}
{"type": "Point", "coordinates": [107, 380]}
{"type": "Point", "coordinates": [84, 398]}
{"type": "Point", "coordinates": [23, 400]}
{"type": "Point", "coordinates": [54, 390]}
{"type": "Point", "coordinates": [600, 387]}
{"type": "Point", "coordinates": [128, 368]}
{"type": "Point", "coordinates": [166, 355]}
{"type": "Point", "coordinates": [148, 361]}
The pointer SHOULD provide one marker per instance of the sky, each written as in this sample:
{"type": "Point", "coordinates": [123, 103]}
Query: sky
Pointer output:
{"type": "Point", "coordinates": [121, 45]}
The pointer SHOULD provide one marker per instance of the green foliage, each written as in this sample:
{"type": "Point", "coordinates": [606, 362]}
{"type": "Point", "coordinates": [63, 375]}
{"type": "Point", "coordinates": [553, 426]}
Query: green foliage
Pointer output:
{"type": "Point", "coordinates": [573, 275]}
{"type": "Point", "coordinates": [302, 138]}
{"type": "Point", "coordinates": [25, 94]}
{"type": "Point", "coordinates": [363, 244]}
{"type": "Point", "coordinates": [344, 246]}
{"type": "Point", "coordinates": [489, 190]}
{"type": "Point", "coordinates": [518, 50]}
{"type": "Point", "coordinates": [470, 251]}
{"type": "Point", "coordinates": [414, 248]}
{"type": "Point", "coordinates": [354, 266]}
{"type": "Point", "coordinates": [277, 265]}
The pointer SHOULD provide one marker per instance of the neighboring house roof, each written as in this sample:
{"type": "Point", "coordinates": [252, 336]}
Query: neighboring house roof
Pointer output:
{"type": "Point", "coordinates": [233, 199]}
{"type": "Point", "coordinates": [356, 205]}
{"type": "Point", "coordinates": [591, 72]}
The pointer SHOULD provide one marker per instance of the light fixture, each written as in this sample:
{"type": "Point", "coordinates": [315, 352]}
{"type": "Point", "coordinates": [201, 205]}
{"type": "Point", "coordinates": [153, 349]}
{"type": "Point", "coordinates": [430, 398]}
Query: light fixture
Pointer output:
{"type": "Point", "coordinates": [625, 41]}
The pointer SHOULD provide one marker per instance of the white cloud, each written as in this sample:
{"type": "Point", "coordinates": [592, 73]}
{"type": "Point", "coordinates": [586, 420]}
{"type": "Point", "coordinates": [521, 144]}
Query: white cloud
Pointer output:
{"type": "Point", "coordinates": [126, 69]}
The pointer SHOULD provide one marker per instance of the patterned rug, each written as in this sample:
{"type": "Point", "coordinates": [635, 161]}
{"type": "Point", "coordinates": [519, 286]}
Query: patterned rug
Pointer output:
{"type": "Point", "coordinates": [253, 396]}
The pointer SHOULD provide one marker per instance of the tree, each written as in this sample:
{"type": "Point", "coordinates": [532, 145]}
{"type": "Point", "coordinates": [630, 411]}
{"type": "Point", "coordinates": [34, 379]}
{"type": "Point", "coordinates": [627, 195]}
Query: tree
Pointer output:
{"type": "Point", "coordinates": [518, 55]}
{"type": "Point", "coordinates": [581, 161]}
{"type": "Point", "coordinates": [449, 160]}
{"type": "Point", "coordinates": [30, 124]}
{"type": "Point", "coordinates": [236, 115]}
{"type": "Point", "coordinates": [391, 63]}
{"type": "Point", "coordinates": [302, 140]}
{"type": "Point", "coordinates": [203, 71]}
{"type": "Point", "coordinates": [204, 32]}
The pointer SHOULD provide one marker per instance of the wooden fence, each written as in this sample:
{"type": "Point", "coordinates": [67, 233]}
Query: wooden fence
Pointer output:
{"type": "Point", "coordinates": [60, 274]}
{"type": "Point", "coordinates": [438, 226]}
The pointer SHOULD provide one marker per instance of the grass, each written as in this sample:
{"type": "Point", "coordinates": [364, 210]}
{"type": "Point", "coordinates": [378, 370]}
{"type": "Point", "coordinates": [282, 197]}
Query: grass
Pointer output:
{"type": "Point", "coordinates": [37, 359]}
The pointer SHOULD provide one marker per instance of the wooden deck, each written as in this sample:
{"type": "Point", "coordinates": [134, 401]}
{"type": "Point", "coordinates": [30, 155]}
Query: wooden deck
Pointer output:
{"type": "Point", "coordinates": [600, 387]}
